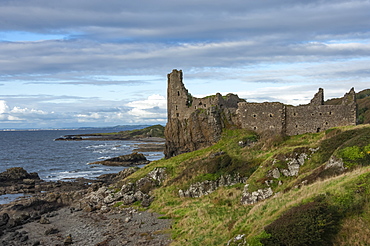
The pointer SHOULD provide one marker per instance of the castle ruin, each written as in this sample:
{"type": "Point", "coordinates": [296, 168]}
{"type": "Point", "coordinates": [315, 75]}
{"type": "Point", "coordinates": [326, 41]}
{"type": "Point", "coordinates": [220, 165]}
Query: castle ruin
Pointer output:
{"type": "Point", "coordinates": [194, 123]}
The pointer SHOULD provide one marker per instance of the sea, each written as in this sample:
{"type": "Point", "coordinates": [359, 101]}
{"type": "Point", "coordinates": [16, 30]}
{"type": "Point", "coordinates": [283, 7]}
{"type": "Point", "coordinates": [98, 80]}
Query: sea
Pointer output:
{"type": "Point", "coordinates": [36, 151]}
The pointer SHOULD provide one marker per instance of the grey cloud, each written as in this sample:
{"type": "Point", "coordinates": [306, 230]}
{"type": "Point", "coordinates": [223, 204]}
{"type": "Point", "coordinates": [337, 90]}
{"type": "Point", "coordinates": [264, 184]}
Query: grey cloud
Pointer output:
{"type": "Point", "coordinates": [209, 40]}
{"type": "Point", "coordinates": [157, 110]}
{"type": "Point", "coordinates": [66, 57]}
{"type": "Point", "coordinates": [129, 82]}
{"type": "Point", "coordinates": [195, 20]}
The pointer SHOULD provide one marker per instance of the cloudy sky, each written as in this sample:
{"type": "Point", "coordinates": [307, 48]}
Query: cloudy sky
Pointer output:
{"type": "Point", "coordinates": [103, 63]}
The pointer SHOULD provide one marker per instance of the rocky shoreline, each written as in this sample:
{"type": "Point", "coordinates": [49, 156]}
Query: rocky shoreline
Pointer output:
{"type": "Point", "coordinates": [80, 212]}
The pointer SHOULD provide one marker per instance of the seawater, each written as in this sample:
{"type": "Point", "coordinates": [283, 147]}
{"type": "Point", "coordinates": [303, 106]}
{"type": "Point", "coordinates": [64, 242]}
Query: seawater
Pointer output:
{"type": "Point", "coordinates": [36, 151]}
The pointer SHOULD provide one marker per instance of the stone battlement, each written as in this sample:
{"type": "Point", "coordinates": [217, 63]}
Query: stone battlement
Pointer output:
{"type": "Point", "coordinates": [194, 123]}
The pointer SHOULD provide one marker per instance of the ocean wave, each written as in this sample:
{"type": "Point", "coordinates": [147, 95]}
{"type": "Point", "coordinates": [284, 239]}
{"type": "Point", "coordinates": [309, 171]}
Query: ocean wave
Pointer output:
{"type": "Point", "coordinates": [74, 174]}
{"type": "Point", "coordinates": [104, 157]}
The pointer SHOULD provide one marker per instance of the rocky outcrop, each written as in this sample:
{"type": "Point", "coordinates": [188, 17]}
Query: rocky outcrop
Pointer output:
{"type": "Point", "coordinates": [18, 180]}
{"type": "Point", "coordinates": [16, 174]}
{"type": "Point", "coordinates": [294, 165]}
{"type": "Point", "coordinates": [133, 159]}
{"type": "Point", "coordinates": [206, 187]}
{"type": "Point", "coordinates": [103, 198]}
{"type": "Point", "coordinates": [202, 129]}
{"type": "Point", "coordinates": [255, 196]}
{"type": "Point", "coordinates": [292, 161]}
{"type": "Point", "coordinates": [336, 164]}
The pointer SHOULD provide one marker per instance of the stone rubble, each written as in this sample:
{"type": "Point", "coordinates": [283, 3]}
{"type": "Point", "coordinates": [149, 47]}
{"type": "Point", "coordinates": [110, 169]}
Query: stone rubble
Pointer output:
{"type": "Point", "coordinates": [255, 196]}
{"type": "Point", "coordinates": [206, 187]}
{"type": "Point", "coordinates": [103, 198]}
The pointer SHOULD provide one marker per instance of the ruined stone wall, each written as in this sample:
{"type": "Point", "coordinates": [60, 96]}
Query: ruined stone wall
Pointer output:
{"type": "Point", "coordinates": [195, 123]}
{"type": "Point", "coordinates": [316, 118]}
{"type": "Point", "coordinates": [277, 118]}
{"type": "Point", "coordinates": [262, 117]}
{"type": "Point", "coordinates": [181, 104]}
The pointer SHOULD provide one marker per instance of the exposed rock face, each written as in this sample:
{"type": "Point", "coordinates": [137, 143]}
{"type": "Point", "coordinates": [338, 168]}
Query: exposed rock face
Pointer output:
{"type": "Point", "coordinates": [200, 189]}
{"type": "Point", "coordinates": [18, 180]}
{"type": "Point", "coordinates": [294, 164]}
{"type": "Point", "coordinates": [103, 198]}
{"type": "Point", "coordinates": [133, 159]}
{"type": "Point", "coordinates": [200, 130]}
{"type": "Point", "coordinates": [255, 196]}
{"type": "Point", "coordinates": [17, 174]}
{"type": "Point", "coordinates": [335, 163]}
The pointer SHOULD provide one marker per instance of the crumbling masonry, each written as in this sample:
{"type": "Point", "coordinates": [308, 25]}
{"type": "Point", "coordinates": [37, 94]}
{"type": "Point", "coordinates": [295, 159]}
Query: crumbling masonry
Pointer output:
{"type": "Point", "coordinates": [195, 123]}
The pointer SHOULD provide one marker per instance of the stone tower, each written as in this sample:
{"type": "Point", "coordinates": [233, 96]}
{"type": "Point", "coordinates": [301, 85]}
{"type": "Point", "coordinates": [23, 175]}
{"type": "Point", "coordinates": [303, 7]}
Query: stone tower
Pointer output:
{"type": "Point", "coordinates": [195, 123]}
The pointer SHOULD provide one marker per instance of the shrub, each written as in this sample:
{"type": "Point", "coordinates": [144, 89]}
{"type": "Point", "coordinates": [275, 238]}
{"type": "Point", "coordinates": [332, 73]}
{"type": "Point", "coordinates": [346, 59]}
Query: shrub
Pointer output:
{"type": "Point", "coordinates": [355, 155]}
{"type": "Point", "coordinates": [352, 153]}
{"type": "Point", "coordinates": [313, 223]}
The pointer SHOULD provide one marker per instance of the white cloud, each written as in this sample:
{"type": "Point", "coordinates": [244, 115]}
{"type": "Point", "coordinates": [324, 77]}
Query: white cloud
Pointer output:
{"type": "Point", "coordinates": [25, 111]}
{"type": "Point", "coordinates": [91, 117]}
{"type": "Point", "coordinates": [4, 113]}
{"type": "Point", "coordinates": [154, 107]}
{"type": "Point", "coordinates": [18, 113]}
{"type": "Point", "coordinates": [3, 107]}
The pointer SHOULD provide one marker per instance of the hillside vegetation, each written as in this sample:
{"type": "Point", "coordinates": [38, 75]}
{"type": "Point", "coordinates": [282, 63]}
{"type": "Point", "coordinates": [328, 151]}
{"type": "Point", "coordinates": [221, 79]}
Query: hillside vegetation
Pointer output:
{"type": "Point", "coordinates": [320, 187]}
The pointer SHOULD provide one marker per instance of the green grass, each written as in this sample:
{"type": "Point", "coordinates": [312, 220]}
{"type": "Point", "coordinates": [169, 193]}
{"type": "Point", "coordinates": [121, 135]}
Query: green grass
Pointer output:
{"type": "Point", "coordinates": [216, 218]}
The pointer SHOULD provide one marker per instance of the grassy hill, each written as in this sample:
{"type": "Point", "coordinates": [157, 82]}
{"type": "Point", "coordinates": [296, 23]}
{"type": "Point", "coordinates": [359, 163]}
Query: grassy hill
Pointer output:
{"type": "Point", "coordinates": [326, 201]}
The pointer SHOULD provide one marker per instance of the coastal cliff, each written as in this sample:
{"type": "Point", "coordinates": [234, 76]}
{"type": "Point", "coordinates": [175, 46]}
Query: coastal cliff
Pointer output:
{"type": "Point", "coordinates": [202, 129]}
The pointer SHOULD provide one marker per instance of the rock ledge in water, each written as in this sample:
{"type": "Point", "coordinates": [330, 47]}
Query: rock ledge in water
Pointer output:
{"type": "Point", "coordinates": [133, 159]}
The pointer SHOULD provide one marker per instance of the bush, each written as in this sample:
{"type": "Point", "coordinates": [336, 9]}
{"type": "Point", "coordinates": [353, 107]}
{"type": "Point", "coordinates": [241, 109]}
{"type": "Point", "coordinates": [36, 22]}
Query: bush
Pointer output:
{"type": "Point", "coordinates": [313, 223]}
{"type": "Point", "coordinates": [355, 155]}
{"type": "Point", "coordinates": [352, 153]}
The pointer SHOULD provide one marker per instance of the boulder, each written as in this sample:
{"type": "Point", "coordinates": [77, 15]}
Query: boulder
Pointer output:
{"type": "Point", "coordinates": [4, 218]}
{"type": "Point", "coordinates": [18, 174]}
